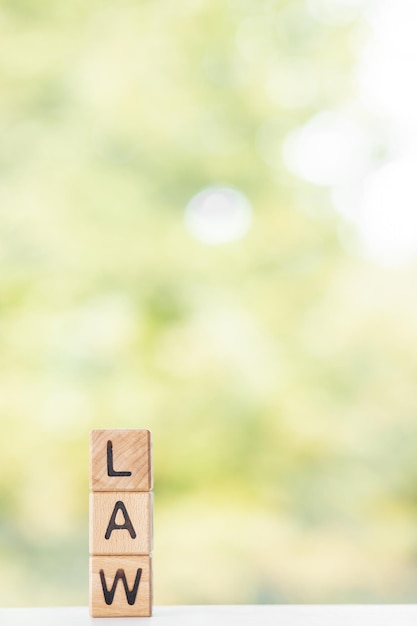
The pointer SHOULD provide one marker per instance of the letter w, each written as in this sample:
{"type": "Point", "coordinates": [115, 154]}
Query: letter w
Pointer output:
{"type": "Point", "coordinates": [120, 574]}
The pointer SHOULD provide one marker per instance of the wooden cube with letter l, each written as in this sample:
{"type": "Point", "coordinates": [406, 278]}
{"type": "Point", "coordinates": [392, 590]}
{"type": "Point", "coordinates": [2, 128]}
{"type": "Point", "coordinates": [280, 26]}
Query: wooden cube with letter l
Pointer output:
{"type": "Point", "coordinates": [120, 460]}
{"type": "Point", "coordinates": [121, 511]}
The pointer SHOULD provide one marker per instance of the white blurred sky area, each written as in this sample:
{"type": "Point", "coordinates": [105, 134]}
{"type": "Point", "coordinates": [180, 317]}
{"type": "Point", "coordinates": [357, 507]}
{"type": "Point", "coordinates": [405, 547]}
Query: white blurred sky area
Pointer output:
{"type": "Point", "coordinates": [374, 190]}
{"type": "Point", "coordinates": [336, 149]}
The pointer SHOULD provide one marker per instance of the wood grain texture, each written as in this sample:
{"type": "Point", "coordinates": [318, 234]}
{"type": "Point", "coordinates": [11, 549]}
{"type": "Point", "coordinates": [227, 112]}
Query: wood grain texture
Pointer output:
{"type": "Point", "coordinates": [132, 512]}
{"type": "Point", "coordinates": [105, 580]}
{"type": "Point", "coordinates": [130, 453]}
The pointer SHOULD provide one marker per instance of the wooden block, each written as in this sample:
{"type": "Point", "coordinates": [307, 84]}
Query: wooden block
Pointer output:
{"type": "Point", "coordinates": [120, 460]}
{"type": "Point", "coordinates": [120, 586]}
{"type": "Point", "coordinates": [121, 523]}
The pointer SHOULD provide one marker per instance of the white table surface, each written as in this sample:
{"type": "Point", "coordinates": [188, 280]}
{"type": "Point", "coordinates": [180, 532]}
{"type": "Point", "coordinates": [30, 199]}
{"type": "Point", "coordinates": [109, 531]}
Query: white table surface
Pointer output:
{"type": "Point", "coordinates": [242, 615]}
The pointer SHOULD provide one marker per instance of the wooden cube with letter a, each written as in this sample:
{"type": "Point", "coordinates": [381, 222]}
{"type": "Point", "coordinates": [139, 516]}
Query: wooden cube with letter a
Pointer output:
{"type": "Point", "coordinates": [121, 508]}
{"type": "Point", "coordinates": [120, 586]}
{"type": "Point", "coordinates": [121, 522]}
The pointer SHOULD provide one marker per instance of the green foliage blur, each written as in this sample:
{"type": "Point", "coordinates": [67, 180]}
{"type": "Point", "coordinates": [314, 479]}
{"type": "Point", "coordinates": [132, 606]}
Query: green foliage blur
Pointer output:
{"type": "Point", "coordinates": [276, 372]}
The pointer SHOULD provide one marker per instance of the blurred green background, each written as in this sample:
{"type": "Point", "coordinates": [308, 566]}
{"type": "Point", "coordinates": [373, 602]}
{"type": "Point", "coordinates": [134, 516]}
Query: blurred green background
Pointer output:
{"type": "Point", "coordinates": [208, 229]}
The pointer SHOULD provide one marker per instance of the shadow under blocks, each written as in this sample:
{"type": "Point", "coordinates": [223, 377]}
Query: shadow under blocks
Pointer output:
{"type": "Point", "coordinates": [121, 522]}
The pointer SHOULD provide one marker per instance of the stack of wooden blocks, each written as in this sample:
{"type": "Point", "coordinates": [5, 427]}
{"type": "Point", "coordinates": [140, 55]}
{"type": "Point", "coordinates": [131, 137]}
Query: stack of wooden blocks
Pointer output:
{"type": "Point", "coordinates": [121, 513]}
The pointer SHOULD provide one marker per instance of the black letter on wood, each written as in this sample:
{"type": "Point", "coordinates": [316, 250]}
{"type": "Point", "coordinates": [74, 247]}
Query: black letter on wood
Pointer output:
{"type": "Point", "coordinates": [120, 574]}
{"type": "Point", "coordinates": [110, 469]}
{"type": "Point", "coordinates": [126, 526]}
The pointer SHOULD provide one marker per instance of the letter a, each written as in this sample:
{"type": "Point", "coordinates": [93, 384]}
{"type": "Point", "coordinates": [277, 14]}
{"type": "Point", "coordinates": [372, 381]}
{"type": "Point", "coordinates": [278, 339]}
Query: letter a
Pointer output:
{"type": "Point", "coordinates": [119, 506]}
{"type": "Point", "coordinates": [120, 574]}
{"type": "Point", "coordinates": [110, 469]}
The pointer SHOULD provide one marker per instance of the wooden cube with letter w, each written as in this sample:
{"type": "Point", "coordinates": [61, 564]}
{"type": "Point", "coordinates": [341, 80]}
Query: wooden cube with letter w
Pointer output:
{"type": "Point", "coordinates": [121, 509]}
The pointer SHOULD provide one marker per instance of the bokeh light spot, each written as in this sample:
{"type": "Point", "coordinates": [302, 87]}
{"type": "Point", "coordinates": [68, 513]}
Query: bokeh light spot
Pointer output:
{"type": "Point", "coordinates": [218, 215]}
{"type": "Point", "coordinates": [330, 149]}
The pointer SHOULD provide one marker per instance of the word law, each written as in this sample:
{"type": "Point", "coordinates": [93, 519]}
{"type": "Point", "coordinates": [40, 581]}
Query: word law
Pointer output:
{"type": "Point", "coordinates": [121, 522]}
